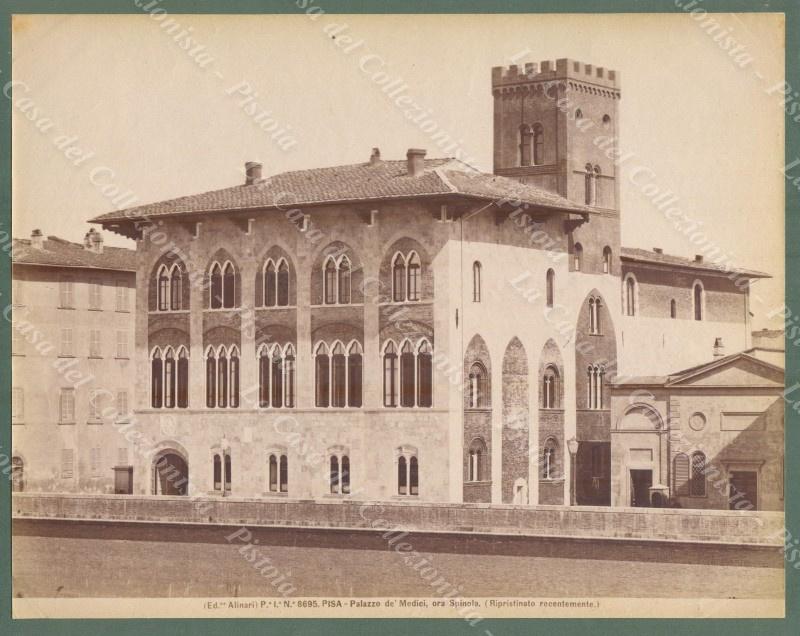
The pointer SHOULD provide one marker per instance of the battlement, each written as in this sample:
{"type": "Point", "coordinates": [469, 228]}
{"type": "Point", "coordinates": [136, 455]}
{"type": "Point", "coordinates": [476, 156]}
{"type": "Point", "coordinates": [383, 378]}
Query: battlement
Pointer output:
{"type": "Point", "coordinates": [561, 69]}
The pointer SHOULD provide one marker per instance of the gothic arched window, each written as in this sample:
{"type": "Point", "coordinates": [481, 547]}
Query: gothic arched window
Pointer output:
{"type": "Point", "coordinates": [424, 375]}
{"type": "Point", "coordinates": [330, 281]}
{"type": "Point", "coordinates": [476, 460]}
{"type": "Point", "coordinates": [398, 278]}
{"type": "Point", "coordinates": [549, 459]}
{"type": "Point", "coordinates": [477, 386]}
{"type": "Point", "coordinates": [390, 374]}
{"type": "Point", "coordinates": [550, 388]}
{"type": "Point", "coordinates": [606, 260]}
{"type": "Point", "coordinates": [283, 283]}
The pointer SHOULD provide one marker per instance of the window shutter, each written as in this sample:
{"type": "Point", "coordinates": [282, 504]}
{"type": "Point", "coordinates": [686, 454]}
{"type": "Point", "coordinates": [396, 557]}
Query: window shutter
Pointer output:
{"type": "Point", "coordinates": [681, 475]}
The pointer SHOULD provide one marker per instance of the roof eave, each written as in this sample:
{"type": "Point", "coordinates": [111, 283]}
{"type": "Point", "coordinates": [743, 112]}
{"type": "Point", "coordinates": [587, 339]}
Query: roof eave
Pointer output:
{"type": "Point", "coordinates": [699, 267]}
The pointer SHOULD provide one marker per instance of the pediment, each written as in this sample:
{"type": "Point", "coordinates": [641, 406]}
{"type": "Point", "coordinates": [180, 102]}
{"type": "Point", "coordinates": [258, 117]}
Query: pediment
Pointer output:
{"type": "Point", "coordinates": [741, 371]}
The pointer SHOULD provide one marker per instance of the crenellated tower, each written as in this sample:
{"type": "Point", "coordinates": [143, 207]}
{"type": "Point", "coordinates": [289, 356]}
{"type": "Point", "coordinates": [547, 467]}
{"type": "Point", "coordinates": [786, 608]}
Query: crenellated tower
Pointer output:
{"type": "Point", "coordinates": [556, 127]}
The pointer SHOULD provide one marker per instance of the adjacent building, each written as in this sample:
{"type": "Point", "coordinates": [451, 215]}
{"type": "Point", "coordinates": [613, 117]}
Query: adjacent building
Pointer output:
{"type": "Point", "coordinates": [72, 363]}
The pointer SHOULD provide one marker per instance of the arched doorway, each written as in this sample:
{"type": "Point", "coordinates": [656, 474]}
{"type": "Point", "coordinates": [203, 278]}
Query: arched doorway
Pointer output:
{"type": "Point", "coordinates": [170, 474]}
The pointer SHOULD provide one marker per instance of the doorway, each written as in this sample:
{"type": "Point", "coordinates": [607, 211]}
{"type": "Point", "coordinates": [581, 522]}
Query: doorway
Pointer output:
{"type": "Point", "coordinates": [170, 475]}
{"type": "Point", "coordinates": [743, 490]}
{"type": "Point", "coordinates": [641, 480]}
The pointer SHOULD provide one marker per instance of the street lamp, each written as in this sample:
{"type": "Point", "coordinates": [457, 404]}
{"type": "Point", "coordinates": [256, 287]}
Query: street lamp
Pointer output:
{"type": "Point", "coordinates": [572, 447]}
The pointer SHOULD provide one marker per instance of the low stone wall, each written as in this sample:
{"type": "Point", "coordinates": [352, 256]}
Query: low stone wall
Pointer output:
{"type": "Point", "coordinates": [707, 526]}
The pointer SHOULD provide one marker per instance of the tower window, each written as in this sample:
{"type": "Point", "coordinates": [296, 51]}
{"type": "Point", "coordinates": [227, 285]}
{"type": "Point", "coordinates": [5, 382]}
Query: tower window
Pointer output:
{"type": "Point", "coordinates": [476, 282]}
{"type": "Point", "coordinates": [673, 310]}
{"type": "Point", "coordinates": [525, 145]}
{"type": "Point", "coordinates": [551, 280]}
{"type": "Point", "coordinates": [538, 145]}
{"type": "Point", "coordinates": [606, 260]}
{"type": "Point", "coordinates": [578, 257]}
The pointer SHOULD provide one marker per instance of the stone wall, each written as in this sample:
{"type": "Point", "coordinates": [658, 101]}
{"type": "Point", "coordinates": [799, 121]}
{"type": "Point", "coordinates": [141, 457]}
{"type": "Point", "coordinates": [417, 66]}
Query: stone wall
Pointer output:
{"type": "Point", "coordinates": [712, 526]}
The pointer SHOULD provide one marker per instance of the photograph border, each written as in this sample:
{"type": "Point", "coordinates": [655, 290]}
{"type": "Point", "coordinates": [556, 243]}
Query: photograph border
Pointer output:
{"type": "Point", "coordinates": [388, 627]}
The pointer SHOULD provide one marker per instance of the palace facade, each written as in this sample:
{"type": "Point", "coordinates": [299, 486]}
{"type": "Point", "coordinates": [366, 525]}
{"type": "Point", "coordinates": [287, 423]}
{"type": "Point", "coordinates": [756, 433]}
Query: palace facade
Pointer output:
{"type": "Point", "coordinates": [416, 329]}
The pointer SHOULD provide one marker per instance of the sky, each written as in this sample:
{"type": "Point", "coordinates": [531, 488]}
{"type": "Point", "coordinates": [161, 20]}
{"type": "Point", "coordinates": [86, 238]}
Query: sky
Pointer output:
{"type": "Point", "coordinates": [112, 111]}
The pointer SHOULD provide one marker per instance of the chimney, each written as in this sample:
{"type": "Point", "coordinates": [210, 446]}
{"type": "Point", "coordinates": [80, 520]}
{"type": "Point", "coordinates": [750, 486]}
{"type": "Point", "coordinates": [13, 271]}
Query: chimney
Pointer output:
{"type": "Point", "coordinates": [416, 161]}
{"type": "Point", "coordinates": [253, 171]}
{"type": "Point", "coordinates": [37, 240]}
{"type": "Point", "coordinates": [658, 250]}
{"type": "Point", "coordinates": [719, 348]}
{"type": "Point", "coordinates": [375, 157]}
{"type": "Point", "coordinates": [93, 241]}
{"type": "Point", "coordinates": [698, 258]}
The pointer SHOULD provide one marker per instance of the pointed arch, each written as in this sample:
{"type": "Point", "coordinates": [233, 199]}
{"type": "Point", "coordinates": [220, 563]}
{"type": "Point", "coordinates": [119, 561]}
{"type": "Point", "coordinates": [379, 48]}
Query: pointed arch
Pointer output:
{"type": "Point", "coordinates": [551, 374]}
{"type": "Point", "coordinates": [169, 285]}
{"type": "Point", "coordinates": [405, 273]}
{"type": "Point", "coordinates": [515, 416]}
{"type": "Point", "coordinates": [337, 276]}
{"type": "Point", "coordinates": [223, 282]}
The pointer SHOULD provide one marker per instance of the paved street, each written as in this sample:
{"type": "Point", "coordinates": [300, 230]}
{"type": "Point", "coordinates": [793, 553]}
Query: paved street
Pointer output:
{"type": "Point", "coordinates": [64, 559]}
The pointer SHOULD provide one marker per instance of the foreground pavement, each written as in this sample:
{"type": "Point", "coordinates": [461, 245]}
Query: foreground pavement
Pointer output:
{"type": "Point", "coordinates": [57, 558]}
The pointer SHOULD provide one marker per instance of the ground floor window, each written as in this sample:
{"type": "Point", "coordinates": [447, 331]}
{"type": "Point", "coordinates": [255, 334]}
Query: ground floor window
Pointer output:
{"type": "Point", "coordinates": [222, 471]}
{"type": "Point", "coordinates": [278, 473]}
{"type": "Point", "coordinates": [407, 472]}
{"type": "Point", "coordinates": [340, 474]}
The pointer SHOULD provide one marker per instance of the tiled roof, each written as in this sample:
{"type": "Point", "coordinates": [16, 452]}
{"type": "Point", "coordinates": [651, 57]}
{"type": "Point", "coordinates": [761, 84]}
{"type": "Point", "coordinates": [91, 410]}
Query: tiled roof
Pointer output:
{"type": "Point", "coordinates": [356, 182]}
{"type": "Point", "coordinates": [672, 378]}
{"type": "Point", "coordinates": [57, 252]}
{"type": "Point", "coordinates": [657, 258]}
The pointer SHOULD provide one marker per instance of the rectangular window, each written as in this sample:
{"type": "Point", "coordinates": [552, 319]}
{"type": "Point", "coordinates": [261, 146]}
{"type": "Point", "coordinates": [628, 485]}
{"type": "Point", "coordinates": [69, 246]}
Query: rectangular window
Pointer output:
{"type": "Point", "coordinates": [94, 461]}
{"type": "Point", "coordinates": [66, 293]}
{"type": "Point", "coordinates": [122, 344]}
{"type": "Point", "coordinates": [122, 456]}
{"type": "Point", "coordinates": [67, 406]}
{"type": "Point", "coordinates": [95, 294]}
{"type": "Point", "coordinates": [67, 463]}
{"type": "Point", "coordinates": [122, 404]}
{"type": "Point", "coordinates": [17, 340]}
{"type": "Point", "coordinates": [122, 296]}
{"type": "Point", "coordinates": [17, 405]}
{"type": "Point", "coordinates": [95, 406]}
{"type": "Point", "coordinates": [66, 342]}
{"type": "Point", "coordinates": [94, 343]}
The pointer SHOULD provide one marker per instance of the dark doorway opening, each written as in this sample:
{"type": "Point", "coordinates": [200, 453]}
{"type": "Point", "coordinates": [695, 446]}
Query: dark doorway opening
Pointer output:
{"type": "Point", "coordinates": [123, 480]}
{"type": "Point", "coordinates": [170, 475]}
{"type": "Point", "coordinates": [641, 480]}
{"type": "Point", "coordinates": [743, 490]}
